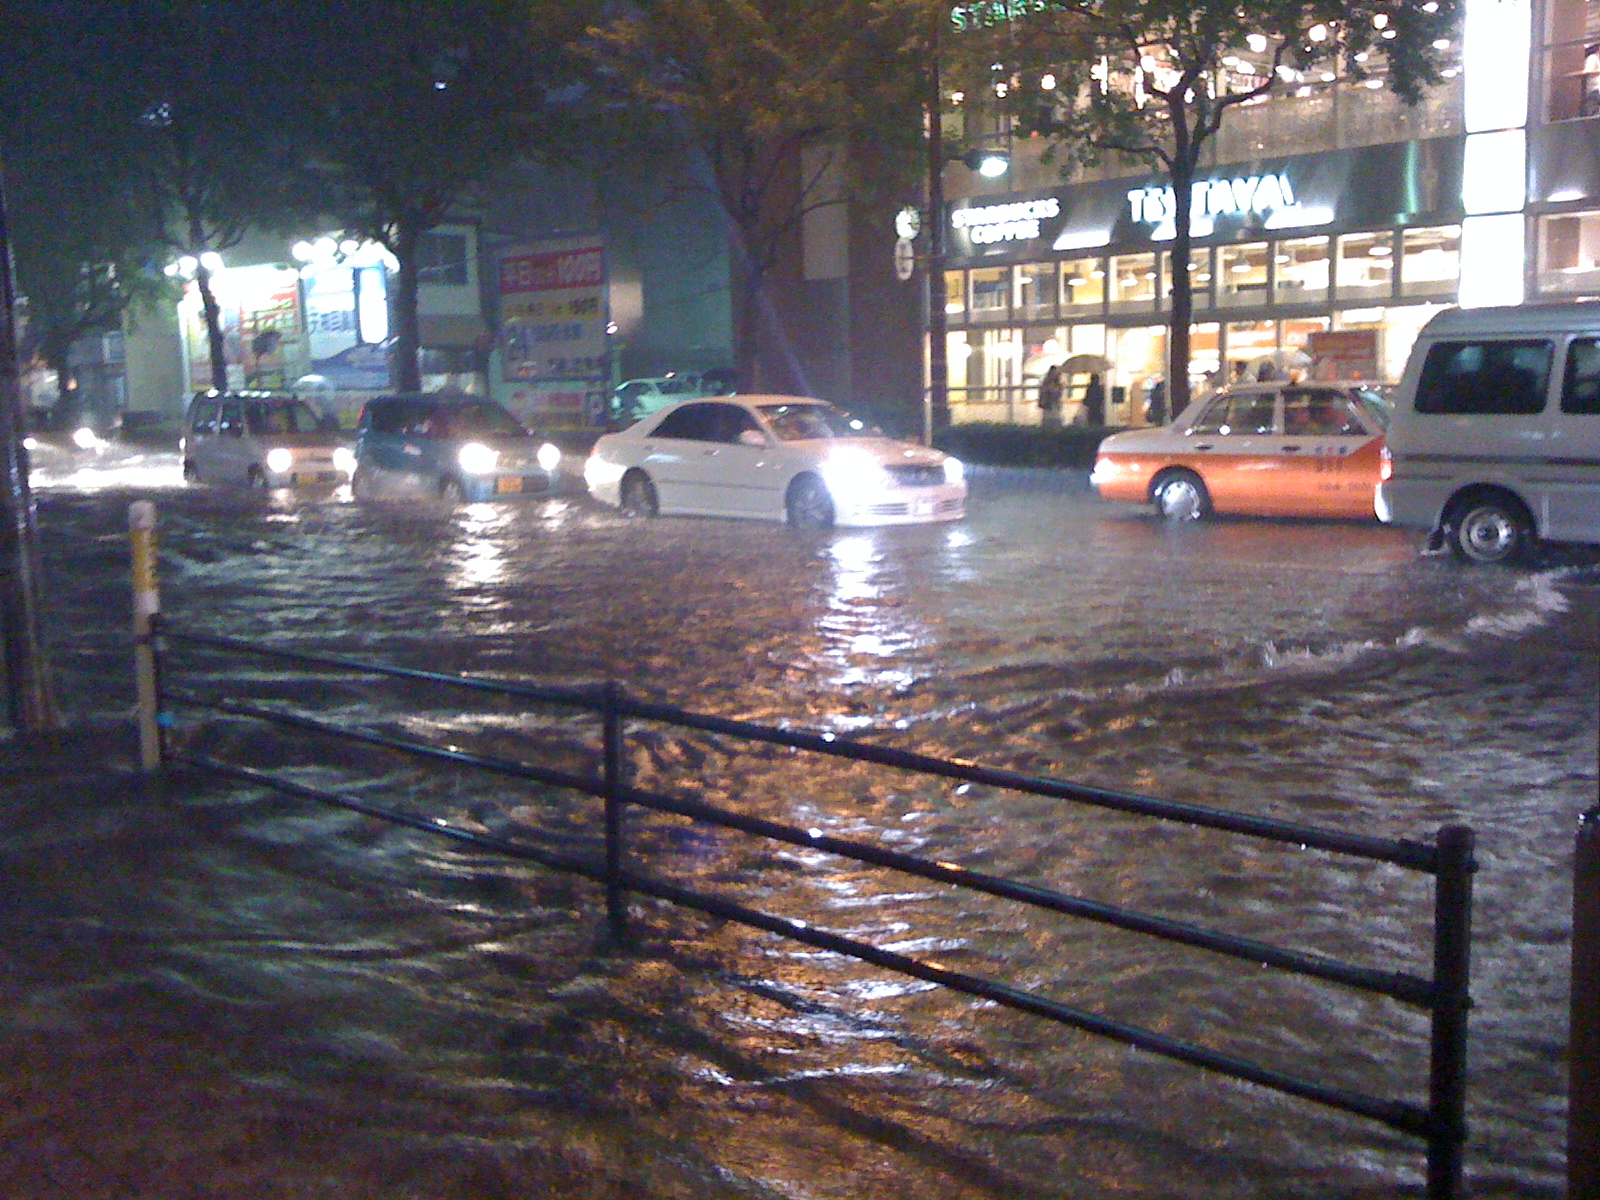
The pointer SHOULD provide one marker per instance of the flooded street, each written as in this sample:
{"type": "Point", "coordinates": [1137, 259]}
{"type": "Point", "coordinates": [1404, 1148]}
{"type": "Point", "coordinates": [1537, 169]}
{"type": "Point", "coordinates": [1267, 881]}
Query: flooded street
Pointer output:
{"type": "Point", "coordinates": [468, 1016]}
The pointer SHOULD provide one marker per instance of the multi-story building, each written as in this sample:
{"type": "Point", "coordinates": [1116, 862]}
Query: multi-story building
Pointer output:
{"type": "Point", "coordinates": [1335, 222]}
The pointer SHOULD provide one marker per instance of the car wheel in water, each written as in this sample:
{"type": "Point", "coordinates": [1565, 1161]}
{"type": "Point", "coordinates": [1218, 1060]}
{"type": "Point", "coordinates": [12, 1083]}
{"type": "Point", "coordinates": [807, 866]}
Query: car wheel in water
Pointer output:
{"type": "Point", "coordinates": [1181, 496]}
{"type": "Point", "coordinates": [256, 478]}
{"type": "Point", "coordinates": [450, 489]}
{"type": "Point", "coordinates": [191, 473]}
{"type": "Point", "coordinates": [808, 505]}
{"type": "Point", "coordinates": [1490, 529]}
{"type": "Point", "coordinates": [639, 495]}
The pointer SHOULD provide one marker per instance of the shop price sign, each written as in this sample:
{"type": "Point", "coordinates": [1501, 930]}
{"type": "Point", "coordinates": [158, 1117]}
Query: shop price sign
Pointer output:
{"type": "Point", "coordinates": [553, 312]}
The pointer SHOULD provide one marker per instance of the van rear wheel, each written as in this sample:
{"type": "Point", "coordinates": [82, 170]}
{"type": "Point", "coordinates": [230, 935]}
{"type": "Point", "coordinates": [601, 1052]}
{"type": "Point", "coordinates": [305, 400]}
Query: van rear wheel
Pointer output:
{"type": "Point", "coordinates": [1490, 529]}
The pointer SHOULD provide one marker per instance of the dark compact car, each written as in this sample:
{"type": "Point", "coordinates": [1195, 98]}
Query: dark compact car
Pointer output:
{"type": "Point", "coordinates": [456, 447]}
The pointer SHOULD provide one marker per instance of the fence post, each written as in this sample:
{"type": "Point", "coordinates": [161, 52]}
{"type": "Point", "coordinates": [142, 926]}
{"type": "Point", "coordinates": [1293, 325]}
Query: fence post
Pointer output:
{"type": "Point", "coordinates": [146, 608]}
{"type": "Point", "coordinates": [1452, 949]}
{"type": "Point", "coordinates": [1583, 1055]}
{"type": "Point", "coordinates": [611, 774]}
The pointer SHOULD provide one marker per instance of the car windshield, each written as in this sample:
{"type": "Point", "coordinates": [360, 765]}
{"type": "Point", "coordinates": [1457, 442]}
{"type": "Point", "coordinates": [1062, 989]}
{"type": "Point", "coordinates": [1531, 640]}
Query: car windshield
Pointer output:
{"type": "Point", "coordinates": [296, 416]}
{"type": "Point", "coordinates": [814, 422]}
{"type": "Point", "coordinates": [483, 419]}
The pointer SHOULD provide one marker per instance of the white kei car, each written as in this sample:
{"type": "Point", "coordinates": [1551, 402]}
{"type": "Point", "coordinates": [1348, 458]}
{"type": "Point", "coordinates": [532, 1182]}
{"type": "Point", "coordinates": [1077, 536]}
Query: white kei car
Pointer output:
{"type": "Point", "coordinates": [773, 457]}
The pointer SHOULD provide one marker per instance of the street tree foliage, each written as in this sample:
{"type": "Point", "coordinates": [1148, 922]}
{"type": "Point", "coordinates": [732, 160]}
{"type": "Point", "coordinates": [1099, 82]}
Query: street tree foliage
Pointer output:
{"type": "Point", "coordinates": [82, 249]}
{"type": "Point", "coordinates": [1156, 79]}
{"type": "Point", "coordinates": [781, 103]}
{"type": "Point", "coordinates": [416, 106]}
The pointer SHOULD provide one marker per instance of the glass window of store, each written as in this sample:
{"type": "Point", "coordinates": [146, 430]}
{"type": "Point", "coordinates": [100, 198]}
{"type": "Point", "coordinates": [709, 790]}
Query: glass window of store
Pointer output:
{"type": "Point", "coordinates": [955, 293]}
{"type": "Point", "coordinates": [1430, 260]}
{"type": "Point", "coordinates": [1303, 270]}
{"type": "Point", "coordinates": [1242, 273]}
{"type": "Point", "coordinates": [1365, 269]}
{"type": "Point", "coordinates": [991, 293]}
{"type": "Point", "coordinates": [1199, 277]}
{"type": "Point", "coordinates": [1248, 344]}
{"type": "Point", "coordinates": [1572, 59]}
{"type": "Point", "coordinates": [1083, 285]}
{"type": "Point", "coordinates": [1569, 253]}
{"type": "Point", "coordinates": [1133, 282]}
{"type": "Point", "coordinates": [1034, 294]}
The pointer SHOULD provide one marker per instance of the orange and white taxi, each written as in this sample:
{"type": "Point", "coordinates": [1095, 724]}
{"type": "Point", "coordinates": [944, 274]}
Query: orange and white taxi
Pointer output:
{"type": "Point", "coordinates": [1268, 449]}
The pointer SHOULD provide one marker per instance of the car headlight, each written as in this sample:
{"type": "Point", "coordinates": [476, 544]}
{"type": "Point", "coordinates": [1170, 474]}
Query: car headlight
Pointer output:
{"type": "Point", "coordinates": [85, 439]}
{"type": "Point", "coordinates": [549, 456]}
{"type": "Point", "coordinates": [477, 459]}
{"type": "Point", "coordinates": [279, 461]}
{"type": "Point", "coordinates": [955, 471]}
{"type": "Point", "coordinates": [344, 459]}
{"type": "Point", "coordinates": [851, 471]}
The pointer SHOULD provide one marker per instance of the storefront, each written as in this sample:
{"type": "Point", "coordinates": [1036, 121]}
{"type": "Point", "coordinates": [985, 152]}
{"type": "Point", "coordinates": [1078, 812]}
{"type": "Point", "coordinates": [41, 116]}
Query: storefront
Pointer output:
{"type": "Point", "coordinates": [1325, 264]}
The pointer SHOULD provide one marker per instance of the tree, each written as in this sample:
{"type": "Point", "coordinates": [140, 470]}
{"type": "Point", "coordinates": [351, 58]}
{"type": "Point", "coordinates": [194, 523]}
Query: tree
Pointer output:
{"type": "Point", "coordinates": [774, 98]}
{"type": "Point", "coordinates": [435, 98]}
{"type": "Point", "coordinates": [209, 107]}
{"type": "Point", "coordinates": [1155, 79]}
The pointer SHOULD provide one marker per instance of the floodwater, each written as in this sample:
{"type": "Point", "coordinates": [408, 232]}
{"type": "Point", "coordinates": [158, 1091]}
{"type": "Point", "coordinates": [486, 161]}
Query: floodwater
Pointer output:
{"type": "Point", "coordinates": [472, 1012]}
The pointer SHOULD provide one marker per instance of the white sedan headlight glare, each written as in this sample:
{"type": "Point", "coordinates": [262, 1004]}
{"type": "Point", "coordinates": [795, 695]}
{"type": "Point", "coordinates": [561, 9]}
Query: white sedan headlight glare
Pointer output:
{"type": "Point", "coordinates": [344, 460]}
{"type": "Point", "coordinates": [477, 459]}
{"type": "Point", "coordinates": [280, 461]}
{"type": "Point", "coordinates": [850, 472]}
{"type": "Point", "coordinates": [955, 471]}
{"type": "Point", "coordinates": [549, 457]}
{"type": "Point", "coordinates": [84, 438]}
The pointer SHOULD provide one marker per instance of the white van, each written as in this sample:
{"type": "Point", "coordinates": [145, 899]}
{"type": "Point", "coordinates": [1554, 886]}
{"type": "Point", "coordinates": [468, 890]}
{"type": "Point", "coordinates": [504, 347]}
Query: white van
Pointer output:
{"type": "Point", "coordinates": [1495, 437]}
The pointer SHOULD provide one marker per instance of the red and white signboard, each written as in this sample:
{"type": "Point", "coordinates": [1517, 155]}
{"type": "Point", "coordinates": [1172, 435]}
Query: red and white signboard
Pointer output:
{"type": "Point", "coordinates": [553, 312]}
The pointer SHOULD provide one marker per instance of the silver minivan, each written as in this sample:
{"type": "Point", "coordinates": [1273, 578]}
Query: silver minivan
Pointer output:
{"type": "Point", "coordinates": [262, 439]}
{"type": "Point", "coordinates": [1495, 437]}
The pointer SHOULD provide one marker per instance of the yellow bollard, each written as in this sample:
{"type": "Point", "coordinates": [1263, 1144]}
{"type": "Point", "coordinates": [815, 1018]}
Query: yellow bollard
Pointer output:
{"type": "Point", "coordinates": [146, 605]}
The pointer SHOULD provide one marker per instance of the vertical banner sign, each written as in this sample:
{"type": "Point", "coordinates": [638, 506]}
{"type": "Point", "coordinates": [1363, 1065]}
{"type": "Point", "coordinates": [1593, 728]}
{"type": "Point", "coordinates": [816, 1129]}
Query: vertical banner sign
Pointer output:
{"type": "Point", "coordinates": [553, 316]}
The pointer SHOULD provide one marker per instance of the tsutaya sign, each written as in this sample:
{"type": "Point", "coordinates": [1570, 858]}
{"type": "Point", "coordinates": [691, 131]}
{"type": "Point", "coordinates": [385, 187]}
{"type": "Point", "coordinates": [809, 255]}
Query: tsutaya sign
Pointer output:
{"type": "Point", "coordinates": [1270, 197]}
{"type": "Point", "coordinates": [1018, 222]}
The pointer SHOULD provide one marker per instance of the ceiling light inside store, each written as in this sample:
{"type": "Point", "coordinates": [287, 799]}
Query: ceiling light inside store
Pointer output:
{"type": "Point", "coordinates": [1442, 44]}
{"type": "Point", "coordinates": [1380, 251]}
{"type": "Point", "coordinates": [1257, 42]}
{"type": "Point", "coordinates": [1388, 33]}
{"type": "Point", "coordinates": [1451, 72]}
{"type": "Point", "coordinates": [1363, 56]}
{"type": "Point", "coordinates": [1047, 82]}
{"type": "Point", "coordinates": [1373, 83]}
{"type": "Point", "coordinates": [1380, 21]}
{"type": "Point", "coordinates": [1318, 33]}
{"type": "Point", "coordinates": [1328, 77]}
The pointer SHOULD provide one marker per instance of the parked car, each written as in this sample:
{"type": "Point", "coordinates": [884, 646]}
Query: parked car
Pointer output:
{"type": "Point", "coordinates": [775, 457]}
{"type": "Point", "coordinates": [261, 439]}
{"type": "Point", "coordinates": [1496, 435]}
{"type": "Point", "coordinates": [1269, 449]}
{"type": "Point", "coordinates": [640, 397]}
{"type": "Point", "coordinates": [457, 447]}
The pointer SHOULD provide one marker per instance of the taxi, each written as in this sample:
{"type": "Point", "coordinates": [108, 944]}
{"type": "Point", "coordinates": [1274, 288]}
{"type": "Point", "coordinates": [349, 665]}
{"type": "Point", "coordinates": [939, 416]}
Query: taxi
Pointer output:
{"type": "Point", "coordinates": [1268, 449]}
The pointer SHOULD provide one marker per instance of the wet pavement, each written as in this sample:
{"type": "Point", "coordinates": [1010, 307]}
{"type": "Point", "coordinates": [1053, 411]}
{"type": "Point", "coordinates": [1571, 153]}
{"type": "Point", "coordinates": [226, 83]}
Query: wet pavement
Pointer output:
{"type": "Point", "coordinates": [213, 990]}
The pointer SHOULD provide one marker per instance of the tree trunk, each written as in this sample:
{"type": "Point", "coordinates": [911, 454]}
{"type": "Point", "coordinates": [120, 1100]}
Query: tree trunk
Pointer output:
{"type": "Point", "coordinates": [215, 343]}
{"type": "Point", "coordinates": [405, 372]}
{"type": "Point", "coordinates": [1185, 161]}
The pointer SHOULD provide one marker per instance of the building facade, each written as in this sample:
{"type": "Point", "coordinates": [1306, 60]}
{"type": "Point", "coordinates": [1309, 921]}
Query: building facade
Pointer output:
{"type": "Point", "coordinates": [1331, 222]}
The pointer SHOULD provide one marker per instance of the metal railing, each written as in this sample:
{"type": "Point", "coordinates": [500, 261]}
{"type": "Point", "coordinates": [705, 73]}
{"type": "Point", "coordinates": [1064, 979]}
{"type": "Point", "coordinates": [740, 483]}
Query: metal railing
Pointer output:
{"type": "Point", "coordinates": [1440, 1123]}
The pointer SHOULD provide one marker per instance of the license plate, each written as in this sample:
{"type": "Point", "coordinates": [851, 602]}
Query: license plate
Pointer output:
{"type": "Point", "coordinates": [508, 483]}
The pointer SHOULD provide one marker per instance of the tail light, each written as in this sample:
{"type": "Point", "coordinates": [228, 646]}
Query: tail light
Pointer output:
{"type": "Point", "coordinates": [1385, 464]}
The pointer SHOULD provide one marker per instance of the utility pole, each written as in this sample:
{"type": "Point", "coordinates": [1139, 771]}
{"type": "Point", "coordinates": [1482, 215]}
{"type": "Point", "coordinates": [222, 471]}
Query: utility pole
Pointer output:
{"type": "Point", "coordinates": [30, 705]}
{"type": "Point", "coordinates": [937, 413]}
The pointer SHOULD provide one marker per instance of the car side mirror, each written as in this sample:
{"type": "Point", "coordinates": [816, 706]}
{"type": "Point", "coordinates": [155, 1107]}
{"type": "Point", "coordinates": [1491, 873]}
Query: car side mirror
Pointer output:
{"type": "Point", "coordinates": [752, 437]}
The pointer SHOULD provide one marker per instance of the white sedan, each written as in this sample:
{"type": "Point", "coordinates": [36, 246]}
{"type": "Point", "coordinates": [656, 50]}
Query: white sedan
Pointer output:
{"type": "Point", "coordinates": [773, 457]}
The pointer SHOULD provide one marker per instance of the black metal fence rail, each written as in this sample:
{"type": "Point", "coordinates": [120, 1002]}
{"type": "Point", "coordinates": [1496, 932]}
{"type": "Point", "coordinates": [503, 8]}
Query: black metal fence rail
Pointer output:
{"type": "Point", "coordinates": [1449, 860]}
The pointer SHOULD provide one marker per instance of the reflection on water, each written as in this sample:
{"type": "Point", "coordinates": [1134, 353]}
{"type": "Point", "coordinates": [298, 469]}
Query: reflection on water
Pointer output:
{"type": "Point", "coordinates": [1319, 673]}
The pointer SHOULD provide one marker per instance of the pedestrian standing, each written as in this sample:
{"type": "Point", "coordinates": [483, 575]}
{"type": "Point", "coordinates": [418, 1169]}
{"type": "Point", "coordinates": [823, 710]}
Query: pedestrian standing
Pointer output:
{"type": "Point", "coordinates": [1094, 401]}
{"type": "Point", "coordinates": [1155, 409]}
{"type": "Point", "coordinates": [1050, 398]}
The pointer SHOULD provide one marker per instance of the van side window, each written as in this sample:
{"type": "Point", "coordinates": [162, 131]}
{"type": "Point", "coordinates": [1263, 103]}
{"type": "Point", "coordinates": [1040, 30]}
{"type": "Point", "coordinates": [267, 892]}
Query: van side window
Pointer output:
{"type": "Point", "coordinates": [205, 418]}
{"type": "Point", "coordinates": [1507, 377]}
{"type": "Point", "coordinates": [1580, 390]}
